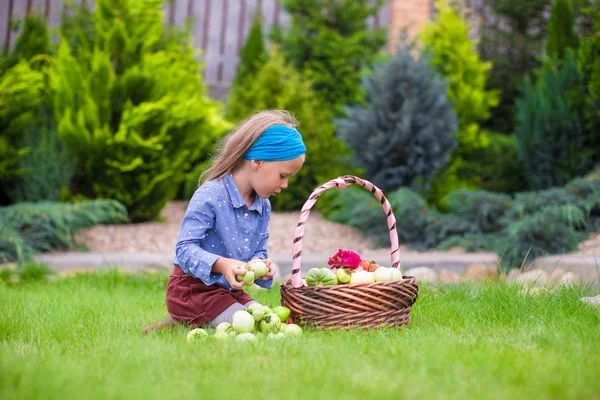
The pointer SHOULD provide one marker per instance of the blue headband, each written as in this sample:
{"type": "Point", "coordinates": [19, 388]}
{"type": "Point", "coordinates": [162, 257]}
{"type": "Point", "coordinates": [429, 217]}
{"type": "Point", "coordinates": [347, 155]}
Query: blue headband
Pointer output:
{"type": "Point", "coordinates": [277, 143]}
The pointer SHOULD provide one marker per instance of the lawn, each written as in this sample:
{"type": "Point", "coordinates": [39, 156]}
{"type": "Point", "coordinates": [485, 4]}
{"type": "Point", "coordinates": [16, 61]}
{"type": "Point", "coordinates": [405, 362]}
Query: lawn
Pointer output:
{"type": "Point", "coordinates": [81, 337]}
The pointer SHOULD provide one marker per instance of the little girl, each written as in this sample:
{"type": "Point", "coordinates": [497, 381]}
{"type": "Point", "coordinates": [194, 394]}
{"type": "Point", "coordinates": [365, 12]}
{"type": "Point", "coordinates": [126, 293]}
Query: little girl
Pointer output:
{"type": "Point", "coordinates": [227, 220]}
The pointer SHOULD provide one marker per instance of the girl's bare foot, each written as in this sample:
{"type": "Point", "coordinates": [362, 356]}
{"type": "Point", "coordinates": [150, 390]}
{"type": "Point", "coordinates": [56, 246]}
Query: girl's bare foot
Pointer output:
{"type": "Point", "coordinates": [167, 323]}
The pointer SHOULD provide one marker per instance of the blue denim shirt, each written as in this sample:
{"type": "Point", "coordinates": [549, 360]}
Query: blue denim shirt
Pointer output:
{"type": "Point", "coordinates": [218, 223]}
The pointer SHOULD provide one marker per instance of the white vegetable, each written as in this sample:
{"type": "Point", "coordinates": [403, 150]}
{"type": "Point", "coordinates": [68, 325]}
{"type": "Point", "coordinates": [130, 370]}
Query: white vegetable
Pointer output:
{"type": "Point", "coordinates": [196, 334]}
{"type": "Point", "coordinates": [242, 322]}
{"type": "Point", "coordinates": [292, 330]}
{"type": "Point", "coordinates": [221, 335]}
{"type": "Point", "coordinates": [224, 327]}
{"type": "Point", "coordinates": [245, 336]}
{"type": "Point", "coordinates": [383, 274]}
{"type": "Point", "coordinates": [257, 311]}
{"type": "Point", "coordinates": [260, 268]}
{"type": "Point", "coordinates": [396, 274]}
{"type": "Point", "coordinates": [361, 277]}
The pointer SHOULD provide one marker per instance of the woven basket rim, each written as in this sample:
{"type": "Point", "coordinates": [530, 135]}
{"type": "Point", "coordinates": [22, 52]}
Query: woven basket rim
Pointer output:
{"type": "Point", "coordinates": [405, 280]}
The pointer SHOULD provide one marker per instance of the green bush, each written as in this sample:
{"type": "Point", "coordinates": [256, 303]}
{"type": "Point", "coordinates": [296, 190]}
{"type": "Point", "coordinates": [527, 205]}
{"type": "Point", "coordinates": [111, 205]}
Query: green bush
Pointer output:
{"type": "Point", "coordinates": [482, 208]}
{"type": "Point", "coordinates": [550, 133]}
{"type": "Point", "coordinates": [47, 167]}
{"type": "Point", "coordinates": [279, 85]}
{"type": "Point", "coordinates": [33, 40]}
{"type": "Point", "coordinates": [330, 42]}
{"type": "Point", "coordinates": [519, 227]}
{"type": "Point", "coordinates": [132, 108]}
{"type": "Point", "coordinates": [406, 129]}
{"type": "Point", "coordinates": [590, 67]}
{"type": "Point", "coordinates": [253, 57]}
{"type": "Point", "coordinates": [512, 38]}
{"type": "Point", "coordinates": [497, 167]}
{"type": "Point", "coordinates": [37, 166]}
{"type": "Point", "coordinates": [561, 30]}
{"type": "Point", "coordinates": [28, 228]}
{"type": "Point", "coordinates": [22, 91]}
{"type": "Point", "coordinates": [454, 56]}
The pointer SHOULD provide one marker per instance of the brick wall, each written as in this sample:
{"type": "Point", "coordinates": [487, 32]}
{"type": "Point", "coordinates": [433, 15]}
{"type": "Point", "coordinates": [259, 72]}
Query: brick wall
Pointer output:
{"type": "Point", "coordinates": [410, 14]}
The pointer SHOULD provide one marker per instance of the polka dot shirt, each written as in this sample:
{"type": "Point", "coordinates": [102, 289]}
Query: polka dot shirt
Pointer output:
{"type": "Point", "coordinates": [219, 223]}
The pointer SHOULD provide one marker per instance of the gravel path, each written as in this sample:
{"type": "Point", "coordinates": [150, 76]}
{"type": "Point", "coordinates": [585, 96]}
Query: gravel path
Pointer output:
{"type": "Point", "coordinates": [321, 236]}
{"type": "Point", "coordinates": [160, 237]}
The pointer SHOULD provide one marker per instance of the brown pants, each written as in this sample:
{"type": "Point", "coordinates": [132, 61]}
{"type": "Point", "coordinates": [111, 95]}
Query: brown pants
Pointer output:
{"type": "Point", "coordinates": [191, 301]}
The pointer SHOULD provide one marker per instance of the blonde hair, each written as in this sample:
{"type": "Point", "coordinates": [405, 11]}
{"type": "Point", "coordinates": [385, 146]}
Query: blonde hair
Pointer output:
{"type": "Point", "coordinates": [238, 142]}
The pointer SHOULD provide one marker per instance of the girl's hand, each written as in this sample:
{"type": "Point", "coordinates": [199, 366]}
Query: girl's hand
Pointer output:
{"type": "Point", "coordinates": [230, 268]}
{"type": "Point", "coordinates": [271, 272]}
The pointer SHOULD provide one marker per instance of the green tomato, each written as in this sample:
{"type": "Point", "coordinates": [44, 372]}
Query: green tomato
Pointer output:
{"type": "Point", "coordinates": [342, 275]}
{"type": "Point", "coordinates": [396, 274]}
{"type": "Point", "coordinates": [321, 277]}
{"type": "Point", "coordinates": [383, 274]}
{"type": "Point", "coordinates": [268, 310]}
{"type": "Point", "coordinates": [282, 312]}
{"type": "Point", "coordinates": [260, 268]}
{"type": "Point", "coordinates": [248, 278]}
{"type": "Point", "coordinates": [270, 323]}
{"type": "Point", "coordinates": [257, 311]}
{"type": "Point", "coordinates": [224, 327]}
{"type": "Point", "coordinates": [292, 330]}
{"type": "Point", "coordinates": [274, 336]}
{"type": "Point", "coordinates": [197, 334]}
{"type": "Point", "coordinates": [245, 336]}
{"type": "Point", "coordinates": [242, 321]}
{"type": "Point", "coordinates": [221, 335]}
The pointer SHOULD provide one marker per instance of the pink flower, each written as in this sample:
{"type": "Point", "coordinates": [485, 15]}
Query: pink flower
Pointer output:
{"type": "Point", "coordinates": [344, 259]}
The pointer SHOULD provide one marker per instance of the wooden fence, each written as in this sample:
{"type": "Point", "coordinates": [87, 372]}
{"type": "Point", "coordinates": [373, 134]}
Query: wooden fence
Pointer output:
{"type": "Point", "coordinates": [219, 30]}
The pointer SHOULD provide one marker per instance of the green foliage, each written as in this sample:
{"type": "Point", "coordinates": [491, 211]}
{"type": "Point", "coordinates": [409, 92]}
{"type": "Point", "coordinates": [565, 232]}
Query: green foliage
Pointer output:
{"type": "Point", "coordinates": [47, 168]}
{"type": "Point", "coordinates": [550, 134]}
{"type": "Point", "coordinates": [454, 56]}
{"type": "Point", "coordinates": [33, 40]}
{"type": "Point", "coordinates": [513, 43]}
{"type": "Point", "coordinates": [406, 128]}
{"type": "Point", "coordinates": [590, 68]}
{"type": "Point", "coordinates": [279, 85]}
{"type": "Point", "coordinates": [561, 30]}
{"type": "Point", "coordinates": [253, 56]}
{"type": "Point", "coordinates": [26, 272]}
{"type": "Point", "coordinates": [24, 119]}
{"type": "Point", "coordinates": [483, 208]}
{"type": "Point", "coordinates": [37, 166]}
{"type": "Point", "coordinates": [330, 42]}
{"type": "Point", "coordinates": [28, 228]}
{"type": "Point", "coordinates": [497, 167]}
{"type": "Point", "coordinates": [525, 225]}
{"type": "Point", "coordinates": [131, 108]}
{"type": "Point", "coordinates": [33, 272]}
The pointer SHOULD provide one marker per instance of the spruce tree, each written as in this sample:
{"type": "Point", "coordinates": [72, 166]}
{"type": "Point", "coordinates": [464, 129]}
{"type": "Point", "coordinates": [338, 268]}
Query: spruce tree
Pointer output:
{"type": "Point", "coordinates": [590, 67]}
{"type": "Point", "coordinates": [561, 31]}
{"type": "Point", "coordinates": [512, 38]}
{"type": "Point", "coordinates": [550, 133]}
{"type": "Point", "coordinates": [254, 54]}
{"type": "Point", "coordinates": [330, 41]}
{"type": "Point", "coordinates": [252, 57]}
{"type": "Point", "coordinates": [454, 56]}
{"type": "Point", "coordinates": [406, 129]}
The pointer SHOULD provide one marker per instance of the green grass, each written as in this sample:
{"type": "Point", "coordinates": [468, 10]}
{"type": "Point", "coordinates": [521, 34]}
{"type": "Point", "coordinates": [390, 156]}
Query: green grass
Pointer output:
{"type": "Point", "coordinates": [81, 338]}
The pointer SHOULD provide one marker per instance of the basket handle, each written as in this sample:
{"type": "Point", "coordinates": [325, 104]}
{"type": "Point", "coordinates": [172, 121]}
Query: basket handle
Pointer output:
{"type": "Point", "coordinates": [340, 182]}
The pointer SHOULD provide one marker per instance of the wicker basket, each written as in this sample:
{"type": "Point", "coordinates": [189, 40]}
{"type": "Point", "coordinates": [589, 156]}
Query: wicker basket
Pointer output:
{"type": "Point", "coordinates": [365, 305]}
